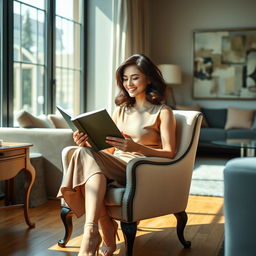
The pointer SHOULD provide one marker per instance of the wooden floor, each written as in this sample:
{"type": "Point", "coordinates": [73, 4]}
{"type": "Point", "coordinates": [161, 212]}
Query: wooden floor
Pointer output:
{"type": "Point", "coordinates": [155, 236]}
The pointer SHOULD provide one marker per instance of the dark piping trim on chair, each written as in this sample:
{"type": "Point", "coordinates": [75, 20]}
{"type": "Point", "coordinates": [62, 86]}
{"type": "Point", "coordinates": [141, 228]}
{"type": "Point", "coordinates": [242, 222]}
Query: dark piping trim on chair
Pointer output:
{"type": "Point", "coordinates": [132, 192]}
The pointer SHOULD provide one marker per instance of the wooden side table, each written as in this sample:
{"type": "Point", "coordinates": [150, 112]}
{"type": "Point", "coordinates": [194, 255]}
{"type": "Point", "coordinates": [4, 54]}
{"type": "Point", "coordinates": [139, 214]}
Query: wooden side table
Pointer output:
{"type": "Point", "coordinates": [14, 157]}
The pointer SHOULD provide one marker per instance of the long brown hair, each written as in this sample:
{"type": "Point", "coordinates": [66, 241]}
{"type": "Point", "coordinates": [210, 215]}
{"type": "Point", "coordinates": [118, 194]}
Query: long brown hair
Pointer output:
{"type": "Point", "coordinates": [155, 92]}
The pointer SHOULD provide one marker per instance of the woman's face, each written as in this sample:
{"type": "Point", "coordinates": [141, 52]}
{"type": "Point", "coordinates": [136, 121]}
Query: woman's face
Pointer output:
{"type": "Point", "coordinates": [134, 81]}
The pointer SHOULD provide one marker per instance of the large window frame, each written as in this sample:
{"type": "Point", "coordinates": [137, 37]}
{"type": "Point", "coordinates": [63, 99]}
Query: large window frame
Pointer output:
{"type": "Point", "coordinates": [6, 82]}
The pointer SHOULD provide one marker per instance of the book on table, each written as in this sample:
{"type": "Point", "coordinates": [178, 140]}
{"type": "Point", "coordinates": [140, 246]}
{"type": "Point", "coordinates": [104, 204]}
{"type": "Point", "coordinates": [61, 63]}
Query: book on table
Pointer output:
{"type": "Point", "coordinates": [96, 124]}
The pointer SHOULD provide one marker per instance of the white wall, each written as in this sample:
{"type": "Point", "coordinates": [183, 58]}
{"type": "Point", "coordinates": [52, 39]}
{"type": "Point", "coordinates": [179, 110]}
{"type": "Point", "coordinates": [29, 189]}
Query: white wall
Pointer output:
{"type": "Point", "coordinates": [99, 53]}
{"type": "Point", "coordinates": [172, 24]}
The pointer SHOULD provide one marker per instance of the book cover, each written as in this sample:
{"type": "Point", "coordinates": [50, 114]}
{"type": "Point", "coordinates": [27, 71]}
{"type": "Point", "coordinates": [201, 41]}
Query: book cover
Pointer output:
{"type": "Point", "coordinates": [96, 124]}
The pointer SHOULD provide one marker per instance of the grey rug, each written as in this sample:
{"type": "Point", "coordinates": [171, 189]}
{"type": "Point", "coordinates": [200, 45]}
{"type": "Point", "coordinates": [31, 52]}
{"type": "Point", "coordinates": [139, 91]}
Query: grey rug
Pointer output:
{"type": "Point", "coordinates": [207, 178]}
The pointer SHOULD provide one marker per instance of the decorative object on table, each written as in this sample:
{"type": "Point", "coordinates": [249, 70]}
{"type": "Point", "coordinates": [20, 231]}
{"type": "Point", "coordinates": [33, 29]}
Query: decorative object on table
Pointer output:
{"type": "Point", "coordinates": [172, 76]}
{"type": "Point", "coordinates": [224, 64]}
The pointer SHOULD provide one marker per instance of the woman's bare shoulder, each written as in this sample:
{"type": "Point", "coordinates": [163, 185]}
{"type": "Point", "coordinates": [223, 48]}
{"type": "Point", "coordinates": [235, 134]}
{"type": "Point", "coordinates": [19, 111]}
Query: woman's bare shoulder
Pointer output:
{"type": "Point", "coordinates": [166, 110]}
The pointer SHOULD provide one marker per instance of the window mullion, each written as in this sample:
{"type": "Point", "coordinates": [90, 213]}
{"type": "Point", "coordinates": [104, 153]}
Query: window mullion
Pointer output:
{"type": "Point", "coordinates": [83, 60]}
{"type": "Point", "coordinates": [7, 69]}
{"type": "Point", "coordinates": [50, 50]}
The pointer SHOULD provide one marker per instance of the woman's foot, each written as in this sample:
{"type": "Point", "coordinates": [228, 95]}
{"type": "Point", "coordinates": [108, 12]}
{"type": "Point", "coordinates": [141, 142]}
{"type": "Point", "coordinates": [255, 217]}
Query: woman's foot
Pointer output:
{"type": "Point", "coordinates": [109, 230]}
{"type": "Point", "coordinates": [91, 240]}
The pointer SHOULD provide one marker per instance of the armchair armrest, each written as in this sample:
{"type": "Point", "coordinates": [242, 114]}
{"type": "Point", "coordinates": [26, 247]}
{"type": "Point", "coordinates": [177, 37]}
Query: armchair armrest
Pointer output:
{"type": "Point", "coordinates": [159, 185]}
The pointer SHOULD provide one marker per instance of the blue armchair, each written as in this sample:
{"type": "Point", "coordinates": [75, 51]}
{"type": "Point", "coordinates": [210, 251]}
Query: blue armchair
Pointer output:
{"type": "Point", "coordinates": [240, 206]}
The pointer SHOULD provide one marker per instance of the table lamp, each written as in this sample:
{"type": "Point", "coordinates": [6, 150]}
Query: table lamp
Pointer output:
{"type": "Point", "coordinates": [172, 75]}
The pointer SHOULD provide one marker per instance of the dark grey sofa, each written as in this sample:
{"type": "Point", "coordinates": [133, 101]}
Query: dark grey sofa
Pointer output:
{"type": "Point", "coordinates": [216, 119]}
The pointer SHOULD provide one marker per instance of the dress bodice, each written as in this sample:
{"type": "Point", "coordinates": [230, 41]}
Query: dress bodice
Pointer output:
{"type": "Point", "coordinates": [142, 126]}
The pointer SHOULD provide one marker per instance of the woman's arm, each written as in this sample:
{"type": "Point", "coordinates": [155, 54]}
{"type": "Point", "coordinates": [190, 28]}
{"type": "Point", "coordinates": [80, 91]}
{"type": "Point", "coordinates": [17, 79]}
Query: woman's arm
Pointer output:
{"type": "Point", "coordinates": [168, 138]}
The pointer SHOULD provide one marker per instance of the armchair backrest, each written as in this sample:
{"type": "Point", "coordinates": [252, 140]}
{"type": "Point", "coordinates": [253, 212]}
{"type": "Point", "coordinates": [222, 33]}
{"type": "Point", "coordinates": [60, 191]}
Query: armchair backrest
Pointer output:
{"type": "Point", "coordinates": [186, 122]}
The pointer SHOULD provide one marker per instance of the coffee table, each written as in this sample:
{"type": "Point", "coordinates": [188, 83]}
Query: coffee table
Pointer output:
{"type": "Point", "coordinates": [247, 146]}
{"type": "Point", "coordinates": [14, 157]}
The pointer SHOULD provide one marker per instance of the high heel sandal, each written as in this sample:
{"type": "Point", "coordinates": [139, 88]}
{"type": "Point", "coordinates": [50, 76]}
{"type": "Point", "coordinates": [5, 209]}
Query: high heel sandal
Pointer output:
{"type": "Point", "coordinates": [94, 240]}
{"type": "Point", "coordinates": [106, 249]}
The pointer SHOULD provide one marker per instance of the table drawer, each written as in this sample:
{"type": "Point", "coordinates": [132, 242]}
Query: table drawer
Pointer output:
{"type": "Point", "coordinates": [9, 168]}
{"type": "Point", "coordinates": [10, 153]}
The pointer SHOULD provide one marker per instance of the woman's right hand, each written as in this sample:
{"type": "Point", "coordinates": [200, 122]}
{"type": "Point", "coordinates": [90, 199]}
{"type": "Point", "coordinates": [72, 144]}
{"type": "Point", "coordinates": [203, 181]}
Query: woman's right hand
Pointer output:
{"type": "Point", "coordinates": [80, 138]}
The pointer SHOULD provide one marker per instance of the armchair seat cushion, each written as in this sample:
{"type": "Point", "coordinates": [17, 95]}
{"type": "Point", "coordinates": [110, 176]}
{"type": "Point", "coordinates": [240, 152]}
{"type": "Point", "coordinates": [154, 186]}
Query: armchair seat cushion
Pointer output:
{"type": "Point", "coordinates": [114, 196]}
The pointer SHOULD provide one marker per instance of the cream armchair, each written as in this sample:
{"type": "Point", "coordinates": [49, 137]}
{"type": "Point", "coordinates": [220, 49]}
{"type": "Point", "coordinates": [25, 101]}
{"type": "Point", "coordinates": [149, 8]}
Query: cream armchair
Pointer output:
{"type": "Point", "coordinates": [154, 187]}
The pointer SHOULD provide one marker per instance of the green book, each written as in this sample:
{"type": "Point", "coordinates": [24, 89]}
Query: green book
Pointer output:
{"type": "Point", "coordinates": [96, 124]}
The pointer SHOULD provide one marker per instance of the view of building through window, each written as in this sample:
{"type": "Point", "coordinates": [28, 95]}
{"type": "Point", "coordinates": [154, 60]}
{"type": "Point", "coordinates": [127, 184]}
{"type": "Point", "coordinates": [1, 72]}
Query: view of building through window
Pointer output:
{"type": "Point", "coordinates": [30, 51]}
{"type": "Point", "coordinates": [29, 56]}
{"type": "Point", "coordinates": [68, 67]}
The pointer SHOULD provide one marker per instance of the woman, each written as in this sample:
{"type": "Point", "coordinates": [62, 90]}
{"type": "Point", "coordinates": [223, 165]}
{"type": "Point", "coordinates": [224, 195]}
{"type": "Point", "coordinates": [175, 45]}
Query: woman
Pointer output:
{"type": "Point", "coordinates": [149, 130]}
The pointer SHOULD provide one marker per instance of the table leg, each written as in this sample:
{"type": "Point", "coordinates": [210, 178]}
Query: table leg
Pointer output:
{"type": "Point", "coordinates": [11, 190]}
{"type": "Point", "coordinates": [251, 152]}
{"type": "Point", "coordinates": [29, 183]}
{"type": "Point", "coordinates": [242, 152]}
{"type": "Point", "coordinates": [6, 193]}
{"type": "Point", "coordinates": [30, 175]}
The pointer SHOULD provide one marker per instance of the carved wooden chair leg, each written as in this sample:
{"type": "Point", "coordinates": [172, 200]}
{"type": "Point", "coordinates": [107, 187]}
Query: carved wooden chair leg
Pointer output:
{"type": "Point", "coordinates": [129, 231]}
{"type": "Point", "coordinates": [181, 223]}
{"type": "Point", "coordinates": [66, 216]}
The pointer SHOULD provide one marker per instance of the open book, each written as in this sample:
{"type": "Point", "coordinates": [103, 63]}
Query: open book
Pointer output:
{"type": "Point", "coordinates": [96, 124]}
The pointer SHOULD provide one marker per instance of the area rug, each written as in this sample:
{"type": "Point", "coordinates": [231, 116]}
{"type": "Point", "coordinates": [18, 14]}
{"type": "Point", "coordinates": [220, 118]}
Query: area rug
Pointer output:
{"type": "Point", "coordinates": [207, 178]}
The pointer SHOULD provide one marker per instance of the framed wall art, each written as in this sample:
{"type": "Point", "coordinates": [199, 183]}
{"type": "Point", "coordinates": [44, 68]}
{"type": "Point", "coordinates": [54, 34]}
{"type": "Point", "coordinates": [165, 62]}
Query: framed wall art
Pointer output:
{"type": "Point", "coordinates": [224, 64]}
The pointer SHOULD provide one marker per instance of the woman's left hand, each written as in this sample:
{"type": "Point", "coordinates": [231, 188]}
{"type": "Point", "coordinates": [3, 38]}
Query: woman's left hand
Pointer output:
{"type": "Point", "coordinates": [126, 145]}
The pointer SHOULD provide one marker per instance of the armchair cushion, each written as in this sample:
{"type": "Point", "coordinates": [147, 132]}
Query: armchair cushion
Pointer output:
{"type": "Point", "coordinates": [114, 196]}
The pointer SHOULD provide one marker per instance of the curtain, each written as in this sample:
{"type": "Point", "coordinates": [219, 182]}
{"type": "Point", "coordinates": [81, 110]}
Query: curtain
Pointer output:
{"type": "Point", "coordinates": [137, 39]}
{"type": "Point", "coordinates": [130, 35]}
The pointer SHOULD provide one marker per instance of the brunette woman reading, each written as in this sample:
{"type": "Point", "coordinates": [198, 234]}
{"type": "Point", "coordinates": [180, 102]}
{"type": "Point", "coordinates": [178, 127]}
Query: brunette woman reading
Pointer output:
{"type": "Point", "coordinates": [149, 128]}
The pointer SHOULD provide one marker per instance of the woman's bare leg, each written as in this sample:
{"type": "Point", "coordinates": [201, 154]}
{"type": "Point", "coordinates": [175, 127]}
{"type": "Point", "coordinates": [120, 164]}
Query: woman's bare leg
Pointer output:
{"type": "Point", "coordinates": [95, 189]}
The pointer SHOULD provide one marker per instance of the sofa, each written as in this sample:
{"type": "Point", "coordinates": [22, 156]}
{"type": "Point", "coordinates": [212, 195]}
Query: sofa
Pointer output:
{"type": "Point", "coordinates": [240, 206]}
{"type": "Point", "coordinates": [226, 123]}
{"type": "Point", "coordinates": [223, 124]}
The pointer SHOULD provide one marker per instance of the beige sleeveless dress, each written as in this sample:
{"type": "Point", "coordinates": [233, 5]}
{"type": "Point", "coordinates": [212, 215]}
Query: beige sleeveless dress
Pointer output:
{"type": "Point", "coordinates": [142, 127]}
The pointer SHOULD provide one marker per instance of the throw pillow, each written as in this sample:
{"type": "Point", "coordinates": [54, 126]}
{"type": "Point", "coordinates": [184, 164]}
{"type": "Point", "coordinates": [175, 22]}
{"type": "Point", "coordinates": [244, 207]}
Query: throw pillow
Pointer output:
{"type": "Point", "coordinates": [239, 118]}
{"type": "Point", "coordinates": [27, 120]}
{"type": "Point", "coordinates": [194, 107]}
{"type": "Point", "coordinates": [216, 117]}
{"type": "Point", "coordinates": [58, 121]}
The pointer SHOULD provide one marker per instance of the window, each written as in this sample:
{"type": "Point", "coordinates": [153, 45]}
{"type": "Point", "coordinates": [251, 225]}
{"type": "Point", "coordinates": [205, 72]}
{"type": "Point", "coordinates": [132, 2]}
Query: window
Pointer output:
{"type": "Point", "coordinates": [29, 66]}
{"type": "Point", "coordinates": [45, 58]}
{"type": "Point", "coordinates": [67, 54]}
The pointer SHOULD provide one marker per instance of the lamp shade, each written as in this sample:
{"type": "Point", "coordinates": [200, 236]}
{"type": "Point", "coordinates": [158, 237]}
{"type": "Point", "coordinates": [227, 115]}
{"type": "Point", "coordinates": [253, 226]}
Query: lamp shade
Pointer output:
{"type": "Point", "coordinates": [171, 73]}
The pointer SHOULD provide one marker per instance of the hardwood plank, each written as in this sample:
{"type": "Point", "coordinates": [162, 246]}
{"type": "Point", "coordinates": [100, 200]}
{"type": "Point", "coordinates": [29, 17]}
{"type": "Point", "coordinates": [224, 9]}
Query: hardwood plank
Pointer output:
{"type": "Point", "coordinates": [156, 236]}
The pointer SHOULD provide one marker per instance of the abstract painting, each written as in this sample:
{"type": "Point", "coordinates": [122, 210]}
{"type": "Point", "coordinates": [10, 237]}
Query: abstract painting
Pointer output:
{"type": "Point", "coordinates": [224, 64]}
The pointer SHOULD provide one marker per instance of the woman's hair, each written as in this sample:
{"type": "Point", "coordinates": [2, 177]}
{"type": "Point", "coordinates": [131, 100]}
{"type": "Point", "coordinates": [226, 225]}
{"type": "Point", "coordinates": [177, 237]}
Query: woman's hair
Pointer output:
{"type": "Point", "coordinates": [155, 92]}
